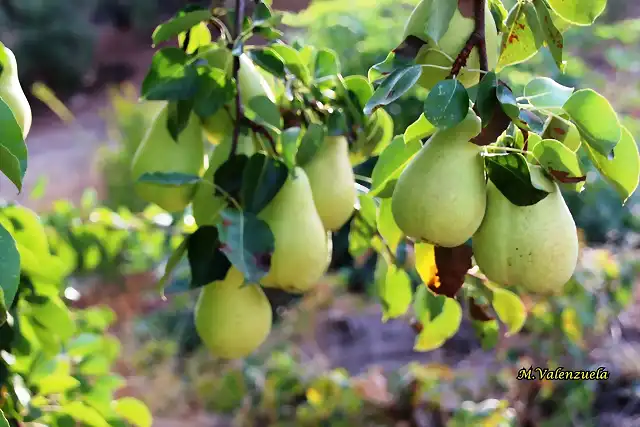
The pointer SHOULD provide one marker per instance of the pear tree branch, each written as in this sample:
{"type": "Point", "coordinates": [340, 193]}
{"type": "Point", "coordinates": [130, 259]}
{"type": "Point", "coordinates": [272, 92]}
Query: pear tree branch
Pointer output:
{"type": "Point", "coordinates": [239, 15]}
{"type": "Point", "coordinates": [476, 39]}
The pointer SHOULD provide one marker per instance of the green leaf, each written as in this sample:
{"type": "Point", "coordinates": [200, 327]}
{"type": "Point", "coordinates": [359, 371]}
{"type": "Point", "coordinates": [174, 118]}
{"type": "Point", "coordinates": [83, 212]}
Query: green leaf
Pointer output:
{"type": "Point", "coordinates": [523, 37]}
{"type": "Point", "coordinates": [178, 116]}
{"type": "Point", "coordinates": [623, 171]}
{"type": "Point", "coordinates": [207, 261]}
{"type": "Point", "coordinates": [488, 332]}
{"type": "Point", "coordinates": [169, 178]}
{"type": "Point", "coordinates": [262, 179]}
{"type": "Point", "coordinates": [439, 328]}
{"type": "Point", "coordinates": [486, 98]}
{"type": "Point", "coordinates": [13, 150]}
{"type": "Point", "coordinates": [327, 64]}
{"type": "Point", "coordinates": [199, 36]}
{"type": "Point", "coordinates": [420, 129]}
{"type": "Point", "coordinates": [360, 87]}
{"type": "Point", "coordinates": [563, 131]}
{"type": "Point", "coordinates": [293, 62]}
{"type": "Point", "coordinates": [439, 18]}
{"type": "Point", "coordinates": [363, 226]}
{"type": "Point", "coordinates": [387, 225]}
{"type": "Point", "coordinates": [54, 384]}
{"type": "Point", "coordinates": [289, 139]}
{"type": "Point", "coordinates": [393, 87]}
{"type": "Point", "coordinates": [390, 165]}
{"type": "Point", "coordinates": [134, 411]}
{"type": "Point", "coordinates": [545, 93]}
{"type": "Point", "coordinates": [214, 91]}
{"type": "Point", "coordinates": [394, 291]}
{"type": "Point", "coordinates": [3, 420]}
{"type": "Point", "coordinates": [447, 104]}
{"type": "Point", "coordinates": [562, 163]}
{"type": "Point", "coordinates": [499, 14]}
{"type": "Point", "coordinates": [595, 119]}
{"type": "Point", "coordinates": [84, 344]}
{"type": "Point", "coordinates": [509, 308]}
{"type": "Point", "coordinates": [170, 77]}
{"type": "Point", "coordinates": [268, 60]}
{"type": "Point", "coordinates": [84, 414]}
{"type": "Point", "coordinates": [552, 35]}
{"type": "Point", "coordinates": [311, 141]}
{"type": "Point", "coordinates": [9, 267]}
{"type": "Point", "coordinates": [172, 263]}
{"type": "Point", "coordinates": [248, 243]}
{"type": "Point", "coordinates": [261, 14]}
{"type": "Point", "coordinates": [511, 175]}
{"type": "Point", "coordinates": [55, 317]}
{"type": "Point", "coordinates": [582, 12]}
{"type": "Point", "coordinates": [179, 24]}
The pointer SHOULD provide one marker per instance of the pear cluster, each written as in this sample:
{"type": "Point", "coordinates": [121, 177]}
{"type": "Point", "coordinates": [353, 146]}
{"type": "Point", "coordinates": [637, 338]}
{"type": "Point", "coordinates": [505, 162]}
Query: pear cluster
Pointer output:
{"type": "Point", "coordinates": [234, 318]}
{"type": "Point", "coordinates": [443, 197]}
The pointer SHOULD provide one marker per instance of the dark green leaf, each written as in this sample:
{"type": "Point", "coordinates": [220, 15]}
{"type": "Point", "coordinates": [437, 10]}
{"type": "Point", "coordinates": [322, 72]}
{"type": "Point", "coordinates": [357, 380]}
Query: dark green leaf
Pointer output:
{"type": "Point", "coordinates": [486, 98]}
{"type": "Point", "coordinates": [261, 14]}
{"type": "Point", "coordinates": [178, 116]}
{"type": "Point", "coordinates": [293, 62]}
{"type": "Point", "coordinates": [337, 123]}
{"type": "Point", "coordinates": [179, 24]}
{"type": "Point", "coordinates": [172, 263]}
{"type": "Point", "coordinates": [447, 104]}
{"type": "Point", "coordinates": [9, 267]}
{"type": "Point", "coordinates": [170, 77]}
{"type": "Point", "coordinates": [391, 63]}
{"type": "Point", "coordinates": [396, 84]}
{"type": "Point", "coordinates": [12, 147]}
{"type": "Point", "coordinates": [311, 141]}
{"type": "Point", "coordinates": [511, 175]}
{"type": "Point", "coordinates": [207, 261]}
{"type": "Point", "coordinates": [214, 91]}
{"type": "Point", "coordinates": [262, 179]}
{"type": "Point", "coordinates": [269, 33]}
{"type": "Point", "coordinates": [327, 64]}
{"type": "Point", "coordinates": [269, 60]}
{"type": "Point", "coordinates": [248, 243]}
{"type": "Point", "coordinates": [229, 176]}
{"type": "Point", "coordinates": [169, 178]}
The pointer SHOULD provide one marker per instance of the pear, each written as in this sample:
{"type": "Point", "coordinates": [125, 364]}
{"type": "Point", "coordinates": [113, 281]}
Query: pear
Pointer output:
{"type": "Point", "coordinates": [11, 91]}
{"type": "Point", "coordinates": [206, 205]}
{"type": "Point", "coordinates": [302, 253]}
{"type": "Point", "coordinates": [332, 182]}
{"type": "Point", "coordinates": [251, 82]}
{"type": "Point", "coordinates": [232, 318]}
{"type": "Point", "coordinates": [451, 43]}
{"type": "Point", "coordinates": [440, 197]}
{"type": "Point", "coordinates": [159, 152]}
{"type": "Point", "coordinates": [534, 246]}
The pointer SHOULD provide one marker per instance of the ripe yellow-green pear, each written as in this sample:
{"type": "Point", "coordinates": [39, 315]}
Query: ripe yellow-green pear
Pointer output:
{"type": "Point", "coordinates": [159, 152]}
{"type": "Point", "coordinates": [440, 197]}
{"type": "Point", "coordinates": [206, 205]}
{"type": "Point", "coordinates": [535, 246]}
{"type": "Point", "coordinates": [301, 255]}
{"type": "Point", "coordinates": [251, 84]}
{"type": "Point", "coordinates": [11, 91]}
{"type": "Point", "coordinates": [232, 319]}
{"type": "Point", "coordinates": [451, 43]}
{"type": "Point", "coordinates": [332, 182]}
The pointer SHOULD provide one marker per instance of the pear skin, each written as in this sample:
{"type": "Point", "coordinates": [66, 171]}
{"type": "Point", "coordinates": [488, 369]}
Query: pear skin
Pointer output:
{"type": "Point", "coordinates": [440, 197]}
{"type": "Point", "coordinates": [451, 43]}
{"type": "Point", "coordinates": [232, 319]}
{"type": "Point", "coordinates": [206, 205]}
{"type": "Point", "coordinates": [159, 152]}
{"type": "Point", "coordinates": [535, 246]}
{"type": "Point", "coordinates": [252, 84]}
{"type": "Point", "coordinates": [11, 91]}
{"type": "Point", "coordinates": [332, 182]}
{"type": "Point", "coordinates": [301, 255]}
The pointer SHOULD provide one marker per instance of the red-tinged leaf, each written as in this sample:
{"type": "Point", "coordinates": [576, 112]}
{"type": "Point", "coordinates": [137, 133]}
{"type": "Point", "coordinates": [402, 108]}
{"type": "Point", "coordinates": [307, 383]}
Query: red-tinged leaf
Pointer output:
{"type": "Point", "coordinates": [497, 125]}
{"type": "Point", "coordinates": [566, 178]}
{"type": "Point", "coordinates": [409, 48]}
{"type": "Point", "coordinates": [453, 264]}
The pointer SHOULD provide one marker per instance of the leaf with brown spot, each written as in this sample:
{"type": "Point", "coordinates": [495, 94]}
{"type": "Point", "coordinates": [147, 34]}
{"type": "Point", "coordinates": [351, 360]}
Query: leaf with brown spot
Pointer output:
{"type": "Point", "coordinates": [479, 312]}
{"type": "Point", "coordinates": [453, 264]}
{"type": "Point", "coordinates": [409, 48]}
{"type": "Point", "coordinates": [565, 177]}
{"type": "Point", "coordinates": [497, 125]}
{"type": "Point", "coordinates": [467, 8]}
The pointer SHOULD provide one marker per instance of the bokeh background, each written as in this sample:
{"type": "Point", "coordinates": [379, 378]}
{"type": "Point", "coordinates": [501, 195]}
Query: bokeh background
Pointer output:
{"type": "Point", "coordinates": [330, 361]}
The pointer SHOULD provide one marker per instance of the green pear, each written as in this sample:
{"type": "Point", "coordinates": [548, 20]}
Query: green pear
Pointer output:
{"type": "Point", "coordinates": [440, 197]}
{"type": "Point", "coordinates": [333, 183]}
{"type": "Point", "coordinates": [534, 246]}
{"type": "Point", "coordinates": [11, 91]}
{"type": "Point", "coordinates": [302, 253]}
{"type": "Point", "coordinates": [206, 205]}
{"type": "Point", "coordinates": [159, 152]}
{"type": "Point", "coordinates": [251, 82]}
{"type": "Point", "coordinates": [451, 43]}
{"type": "Point", "coordinates": [232, 318]}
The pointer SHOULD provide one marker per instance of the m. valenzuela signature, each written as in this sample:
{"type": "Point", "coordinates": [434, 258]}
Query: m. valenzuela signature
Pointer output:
{"type": "Point", "coordinates": [561, 373]}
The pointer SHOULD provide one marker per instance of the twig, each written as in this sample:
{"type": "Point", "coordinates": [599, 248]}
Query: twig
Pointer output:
{"type": "Point", "coordinates": [476, 39]}
{"type": "Point", "coordinates": [236, 69]}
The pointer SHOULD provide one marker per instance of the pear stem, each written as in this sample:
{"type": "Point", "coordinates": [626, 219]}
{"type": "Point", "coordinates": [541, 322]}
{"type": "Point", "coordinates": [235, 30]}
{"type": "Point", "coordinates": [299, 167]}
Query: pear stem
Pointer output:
{"type": "Point", "coordinates": [236, 68]}
{"type": "Point", "coordinates": [476, 39]}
